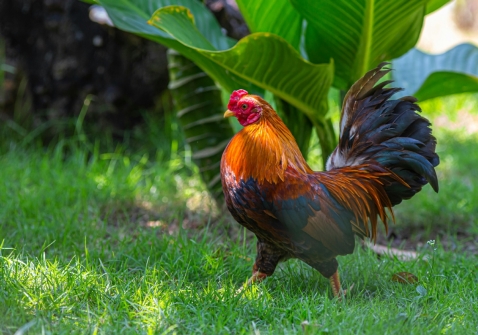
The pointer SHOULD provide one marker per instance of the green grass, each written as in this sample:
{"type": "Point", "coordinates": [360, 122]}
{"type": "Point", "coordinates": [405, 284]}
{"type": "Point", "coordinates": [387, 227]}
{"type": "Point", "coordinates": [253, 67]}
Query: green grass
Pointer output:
{"type": "Point", "coordinates": [93, 243]}
{"type": "Point", "coordinates": [453, 210]}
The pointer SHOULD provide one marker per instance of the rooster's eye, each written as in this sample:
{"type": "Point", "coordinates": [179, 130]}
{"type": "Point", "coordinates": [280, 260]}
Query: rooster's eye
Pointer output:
{"type": "Point", "coordinates": [244, 106]}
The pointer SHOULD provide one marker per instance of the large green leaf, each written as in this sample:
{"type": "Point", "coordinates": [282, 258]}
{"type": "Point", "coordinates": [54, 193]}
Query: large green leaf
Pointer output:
{"type": "Point", "coordinates": [200, 113]}
{"type": "Point", "coordinates": [132, 16]}
{"type": "Point", "coordinates": [439, 84]}
{"type": "Point", "coordinates": [433, 5]}
{"type": "Point", "coordinates": [277, 17]}
{"type": "Point", "coordinates": [359, 34]}
{"type": "Point", "coordinates": [411, 70]}
{"type": "Point", "coordinates": [262, 58]}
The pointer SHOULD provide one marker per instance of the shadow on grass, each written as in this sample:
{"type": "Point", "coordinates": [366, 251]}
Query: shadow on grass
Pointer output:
{"type": "Point", "coordinates": [451, 216]}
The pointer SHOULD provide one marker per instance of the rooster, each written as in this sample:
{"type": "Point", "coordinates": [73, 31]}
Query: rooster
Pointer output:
{"type": "Point", "coordinates": [386, 153]}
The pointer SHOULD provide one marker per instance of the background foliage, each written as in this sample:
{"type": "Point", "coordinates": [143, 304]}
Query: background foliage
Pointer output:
{"type": "Point", "coordinates": [325, 44]}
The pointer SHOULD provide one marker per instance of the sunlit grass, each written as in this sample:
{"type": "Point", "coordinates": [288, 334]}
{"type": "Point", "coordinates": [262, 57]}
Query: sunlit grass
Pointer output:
{"type": "Point", "coordinates": [95, 243]}
{"type": "Point", "coordinates": [156, 283]}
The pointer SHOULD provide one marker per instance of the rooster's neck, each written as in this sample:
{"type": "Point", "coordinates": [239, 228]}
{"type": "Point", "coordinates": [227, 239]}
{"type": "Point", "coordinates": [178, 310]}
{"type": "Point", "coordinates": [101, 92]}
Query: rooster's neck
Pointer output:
{"type": "Point", "coordinates": [264, 151]}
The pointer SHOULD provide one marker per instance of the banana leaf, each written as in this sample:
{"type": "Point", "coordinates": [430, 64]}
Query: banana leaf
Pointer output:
{"type": "Point", "coordinates": [428, 76]}
{"type": "Point", "coordinates": [200, 114]}
{"type": "Point", "coordinates": [359, 34]}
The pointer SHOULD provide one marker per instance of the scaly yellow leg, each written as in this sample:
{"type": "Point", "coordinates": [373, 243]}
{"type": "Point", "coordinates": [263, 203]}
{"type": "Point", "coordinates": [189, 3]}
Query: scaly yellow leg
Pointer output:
{"type": "Point", "coordinates": [336, 288]}
{"type": "Point", "coordinates": [256, 277]}
{"type": "Point", "coordinates": [335, 283]}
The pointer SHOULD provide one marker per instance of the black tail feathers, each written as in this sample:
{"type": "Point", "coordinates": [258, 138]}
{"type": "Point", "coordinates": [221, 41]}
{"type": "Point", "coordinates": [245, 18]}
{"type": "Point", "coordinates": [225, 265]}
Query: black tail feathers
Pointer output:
{"type": "Point", "coordinates": [391, 133]}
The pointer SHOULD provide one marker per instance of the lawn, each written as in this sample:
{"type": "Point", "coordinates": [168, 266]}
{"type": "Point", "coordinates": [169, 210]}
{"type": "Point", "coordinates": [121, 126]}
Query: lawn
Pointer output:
{"type": "Point", "coordinates": [127, 243]}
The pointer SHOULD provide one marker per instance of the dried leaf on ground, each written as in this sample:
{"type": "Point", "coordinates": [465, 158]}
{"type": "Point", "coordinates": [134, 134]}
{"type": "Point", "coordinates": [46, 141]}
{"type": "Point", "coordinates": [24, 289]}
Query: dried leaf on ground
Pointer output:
{"type": "Point", "coordinates": [404, 278]}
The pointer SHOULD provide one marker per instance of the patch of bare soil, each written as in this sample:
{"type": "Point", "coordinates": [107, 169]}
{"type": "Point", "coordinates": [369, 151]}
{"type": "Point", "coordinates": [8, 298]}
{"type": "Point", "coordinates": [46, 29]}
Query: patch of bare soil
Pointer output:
{"type": "Point", "coordinates": [416, 238]}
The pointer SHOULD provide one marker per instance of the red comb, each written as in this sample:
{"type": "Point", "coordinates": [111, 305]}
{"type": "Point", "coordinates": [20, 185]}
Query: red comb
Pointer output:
{"type": "Point", "coordinates": [235, 96]}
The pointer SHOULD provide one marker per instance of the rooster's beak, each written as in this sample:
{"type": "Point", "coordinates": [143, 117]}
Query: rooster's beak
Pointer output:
{"type": "Point", "coordinates": [228, 113]}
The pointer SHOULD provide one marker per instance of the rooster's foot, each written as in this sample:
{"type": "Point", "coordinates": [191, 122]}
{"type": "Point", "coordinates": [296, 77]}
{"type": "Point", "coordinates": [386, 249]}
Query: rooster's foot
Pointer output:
{"type": "Point", "coordinates": [256, 277]}
{"type": "Point", "coordinates": [336, 287]}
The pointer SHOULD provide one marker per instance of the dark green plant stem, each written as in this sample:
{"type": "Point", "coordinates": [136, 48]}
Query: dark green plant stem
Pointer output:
{"type": "Point", "coordinates": [200, 114]}
{"type": "Point", "coordinates": [327, 140]}
{"type": "Point", "coordinates": [342, 94]}
{"type": "Point", "coordinates": [297, 122]}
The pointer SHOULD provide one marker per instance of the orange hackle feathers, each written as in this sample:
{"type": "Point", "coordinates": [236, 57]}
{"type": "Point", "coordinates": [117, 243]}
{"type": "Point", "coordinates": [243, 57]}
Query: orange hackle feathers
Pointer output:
{"type": "Point", "coordinates": [264, 150]}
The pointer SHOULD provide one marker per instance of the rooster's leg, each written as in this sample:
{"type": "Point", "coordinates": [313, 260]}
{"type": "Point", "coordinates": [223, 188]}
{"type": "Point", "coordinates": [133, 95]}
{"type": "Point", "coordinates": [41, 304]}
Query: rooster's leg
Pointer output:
{"type": "Point", "coordinates": [264, 266]}
{"type": "Point", "coordinates": [335, 283]}
{"type": "Point", "coordinates": [336, 287]}
{"type": "Point", "coordinates": [267, 259]}
{"type": "Point", "coordinates": [328, 269]}
{"type": "Point", "coordinates": [256, 277]}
